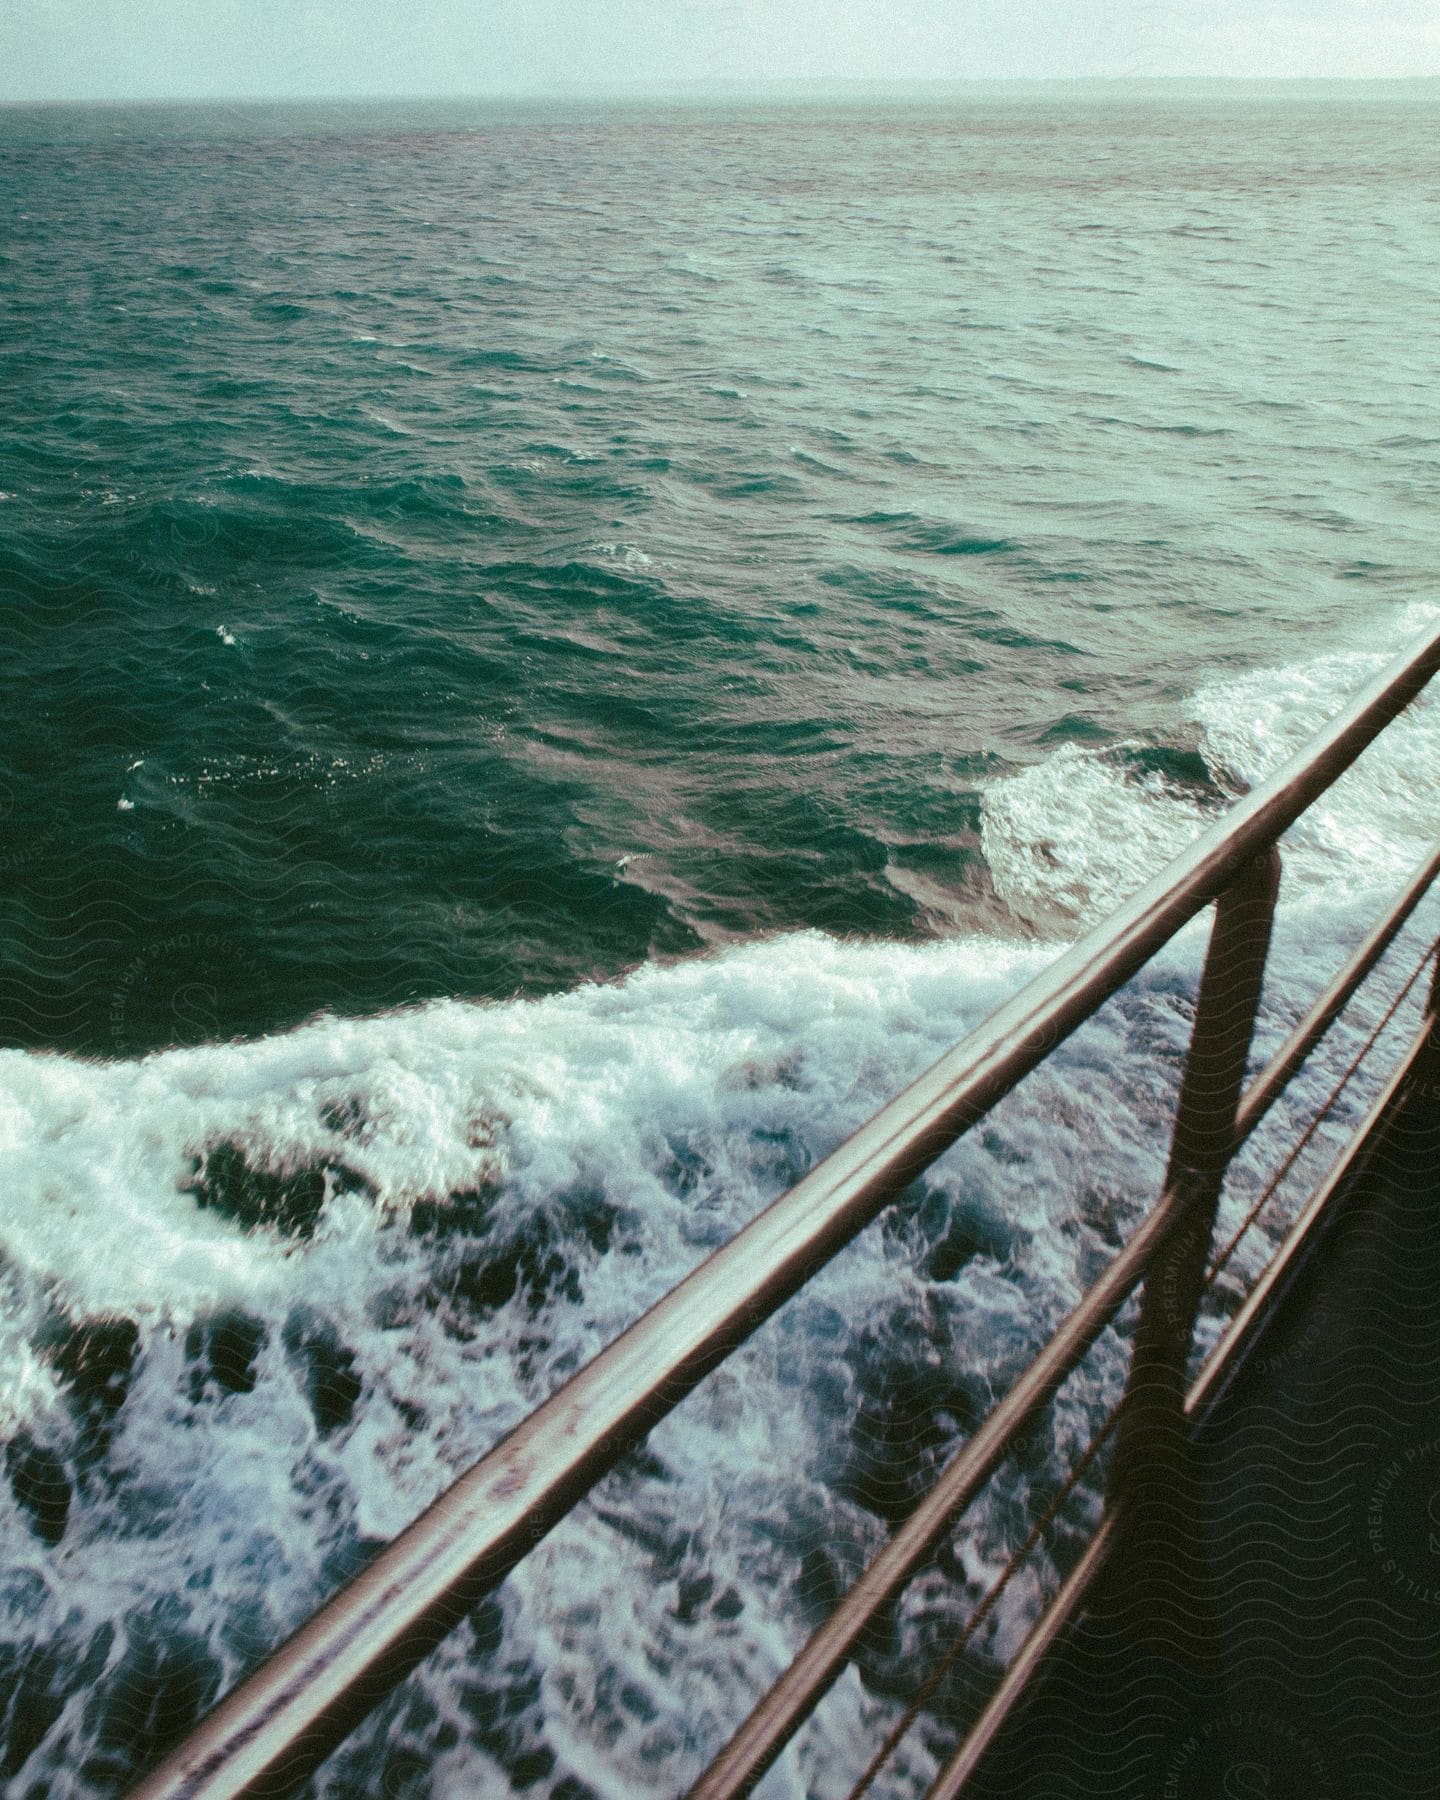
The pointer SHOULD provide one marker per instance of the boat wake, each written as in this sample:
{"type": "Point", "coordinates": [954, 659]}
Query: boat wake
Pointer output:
{"type": "Point", "coordinates": [263, 1301]}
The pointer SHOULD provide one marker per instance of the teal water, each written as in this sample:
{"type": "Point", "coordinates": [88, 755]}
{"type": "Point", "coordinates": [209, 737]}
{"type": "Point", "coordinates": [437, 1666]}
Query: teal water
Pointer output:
{"type": "Point", "coordinates": [553, 657]}
{"type": "Point", "coordinates": [489, 549]}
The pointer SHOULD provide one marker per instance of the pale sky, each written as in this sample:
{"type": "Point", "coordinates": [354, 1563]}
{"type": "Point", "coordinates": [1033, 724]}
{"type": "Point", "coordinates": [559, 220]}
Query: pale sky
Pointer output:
{"type": "Point", "coordinates": [177, 49]}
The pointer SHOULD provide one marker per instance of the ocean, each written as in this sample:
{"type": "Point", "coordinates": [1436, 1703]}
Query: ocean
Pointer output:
{"type": "Point", "coordinates": [555, 654]}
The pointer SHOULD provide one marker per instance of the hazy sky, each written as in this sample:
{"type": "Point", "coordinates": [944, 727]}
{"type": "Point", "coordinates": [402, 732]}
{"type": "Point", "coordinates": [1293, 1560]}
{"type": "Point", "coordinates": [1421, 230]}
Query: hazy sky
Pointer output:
{"type": "Point", "coordinates": [112, 49]}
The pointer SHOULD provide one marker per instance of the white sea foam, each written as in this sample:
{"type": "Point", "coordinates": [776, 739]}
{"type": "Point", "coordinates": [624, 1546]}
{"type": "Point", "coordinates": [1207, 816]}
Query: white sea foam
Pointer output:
{"type": "Point", "coordinates": [1071, 837]}
{"type": "Point", "coordinates": [673, 1105]}
{"type": "Point", "coordinates": [1375, 823]}
{"type": "Point", "coordinates": [585, 1150]}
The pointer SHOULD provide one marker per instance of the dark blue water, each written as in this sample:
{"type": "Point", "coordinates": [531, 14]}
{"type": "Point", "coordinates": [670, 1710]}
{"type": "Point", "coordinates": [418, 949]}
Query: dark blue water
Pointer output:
{"type": "Point", "coordinates": [630, 628]}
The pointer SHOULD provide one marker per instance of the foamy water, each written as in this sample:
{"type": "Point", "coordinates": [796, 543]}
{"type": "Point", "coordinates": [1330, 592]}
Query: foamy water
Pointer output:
{"type": "Point", "coordinates": [329, 1269]}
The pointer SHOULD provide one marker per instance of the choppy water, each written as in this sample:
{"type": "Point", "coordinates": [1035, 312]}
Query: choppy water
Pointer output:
{"type": "Point", "coordinates": [553, 658]}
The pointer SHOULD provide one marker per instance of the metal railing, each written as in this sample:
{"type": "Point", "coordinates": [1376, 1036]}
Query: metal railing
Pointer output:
{"type": "Point", "coordinates": [281, 1722]}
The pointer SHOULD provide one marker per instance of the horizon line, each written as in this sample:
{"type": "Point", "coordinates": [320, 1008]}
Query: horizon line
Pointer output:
{"type": "Point", "coordinates": [706, 86]}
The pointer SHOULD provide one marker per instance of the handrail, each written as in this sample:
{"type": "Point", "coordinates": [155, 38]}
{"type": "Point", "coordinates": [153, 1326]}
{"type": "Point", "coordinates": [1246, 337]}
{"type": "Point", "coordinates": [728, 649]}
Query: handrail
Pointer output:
{"type": "Point", "coordinates": [283, 1719]}
{"type": "Point", "coordinates": [799, 1689]}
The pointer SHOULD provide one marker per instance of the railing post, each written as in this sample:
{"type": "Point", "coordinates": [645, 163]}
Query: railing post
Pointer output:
{"type": "Point", "coordinates": [1160, 1581]}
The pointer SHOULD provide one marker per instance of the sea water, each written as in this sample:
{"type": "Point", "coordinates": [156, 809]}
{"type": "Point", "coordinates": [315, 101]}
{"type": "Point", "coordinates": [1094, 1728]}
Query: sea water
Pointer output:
{"type": "Point", "coordinates": [554, 657]}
